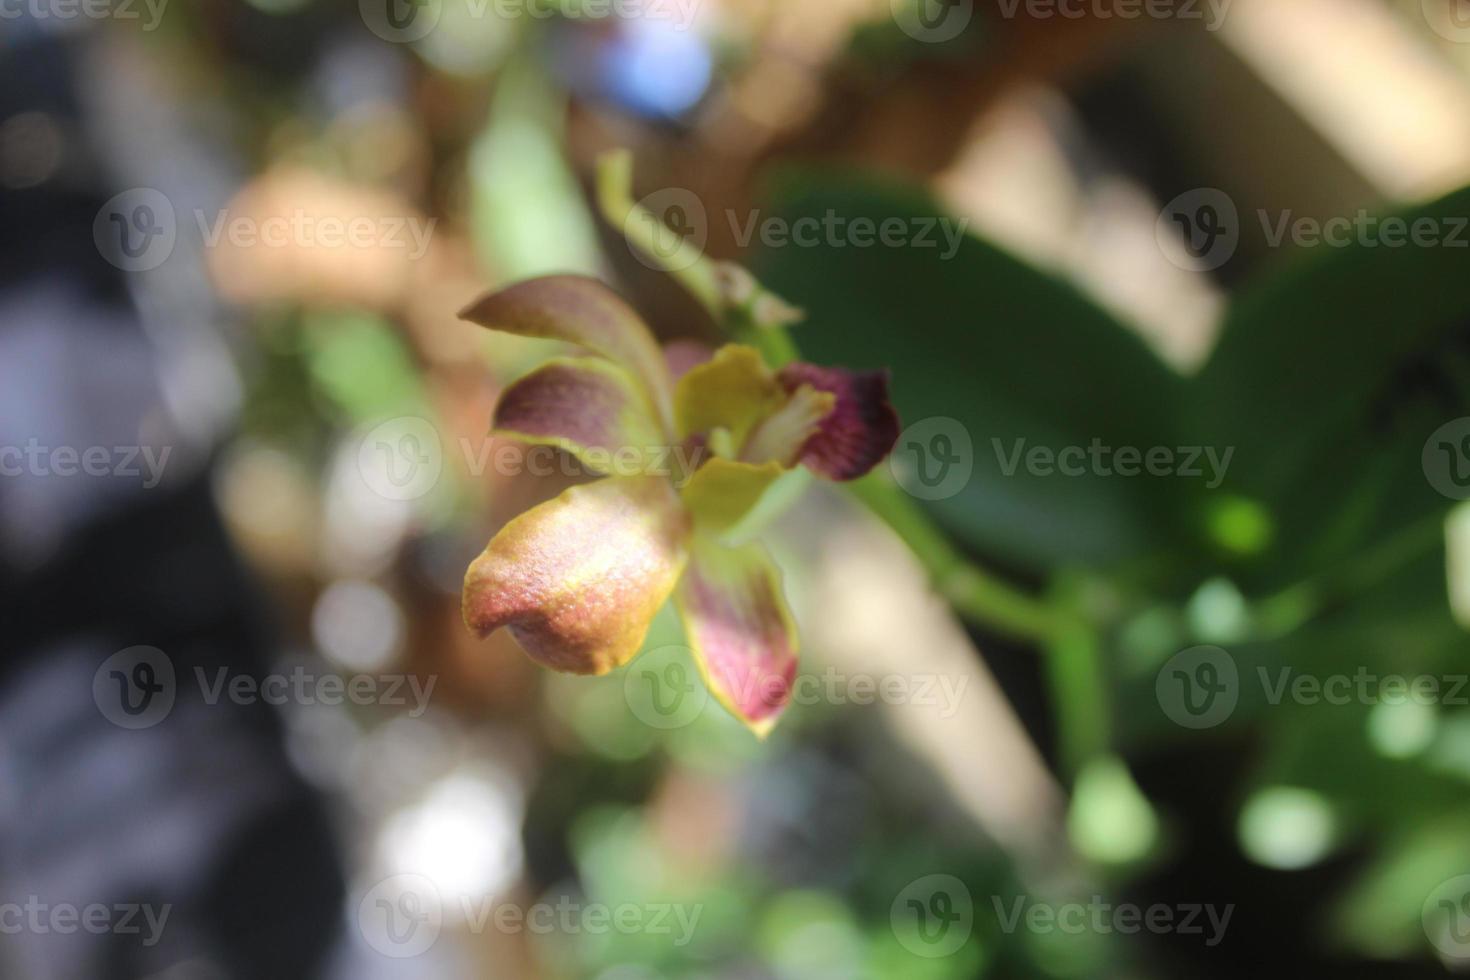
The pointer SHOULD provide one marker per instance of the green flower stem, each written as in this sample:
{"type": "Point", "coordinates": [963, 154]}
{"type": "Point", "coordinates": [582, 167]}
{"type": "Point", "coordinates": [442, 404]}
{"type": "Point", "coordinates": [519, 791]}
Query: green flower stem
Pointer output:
{"type": "Point", "coordinates": [1077, 681]}
{"type": "Point", "coordinates": [974, 593]}
{"type": "Point", "coordinates": [646, 232]}
{"type": "Point", "coordinates": [774, 343]}
{"type": "Point", "coordinates": [1073, 656]}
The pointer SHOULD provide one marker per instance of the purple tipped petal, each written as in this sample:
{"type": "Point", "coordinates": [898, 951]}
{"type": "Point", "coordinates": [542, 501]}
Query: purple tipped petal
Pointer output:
{"type": "Point", "coordinates": [860, 430]}
{"type": "Point", "coordinates": [589, 407]}
{"type": "Point", "coordinates": [742, 635]}
{"type": "Point", "coordinates": [578, 310]}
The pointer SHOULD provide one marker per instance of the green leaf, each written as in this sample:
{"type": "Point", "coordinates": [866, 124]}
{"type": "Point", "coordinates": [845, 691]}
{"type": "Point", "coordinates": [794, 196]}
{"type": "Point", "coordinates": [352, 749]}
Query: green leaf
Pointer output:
{"type": "Point", "coordinates": [1329, 377]}
{"type": "Point", "coordinates": [1019, 358]}
{"type": "Point", "coordinates": [529, 214]}
{"type": "Point", "coordinates": [360, 363]}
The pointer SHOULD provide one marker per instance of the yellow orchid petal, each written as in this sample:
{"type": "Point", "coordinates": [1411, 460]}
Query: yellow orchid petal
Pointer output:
{"type": "Point", "coordinates": [578, 579]}
{"type": "Point", "coordinates": [591, 408]}
{"type": "Point", "coordinates": [734, 390]}
{"type": "Point", "coordinates": [723, 491]}
{"type": "Point", "coordinates": [737, 624]}
{"type": "Point", "coordinates": [580, 310]}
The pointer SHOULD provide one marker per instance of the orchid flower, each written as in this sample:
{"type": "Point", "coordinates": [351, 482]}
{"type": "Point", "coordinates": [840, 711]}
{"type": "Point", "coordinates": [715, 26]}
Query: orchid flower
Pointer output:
{"type": "Point", "coordinates": [578, 579]}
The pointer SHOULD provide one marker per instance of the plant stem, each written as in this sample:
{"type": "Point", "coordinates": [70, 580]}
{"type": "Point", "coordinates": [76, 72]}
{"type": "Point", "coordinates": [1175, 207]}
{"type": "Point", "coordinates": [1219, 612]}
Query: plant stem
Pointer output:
{"type": "Point", "coordinates": [647, 233]}
{"type": "Point", "coordinates": [973, 592]}
{"type": "Point", "coordinates": [1077, 681]}
{"type": "Point", "coordinates": [1294, 607]}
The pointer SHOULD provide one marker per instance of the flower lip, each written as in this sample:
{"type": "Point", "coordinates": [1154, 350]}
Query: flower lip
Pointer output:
{"type": "Point", "coordinates": [859, 432]}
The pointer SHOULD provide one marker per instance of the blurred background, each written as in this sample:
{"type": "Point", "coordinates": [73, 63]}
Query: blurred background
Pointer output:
{"type": "Point", "coordinates": [1176, 299]}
